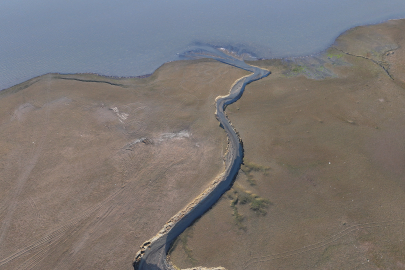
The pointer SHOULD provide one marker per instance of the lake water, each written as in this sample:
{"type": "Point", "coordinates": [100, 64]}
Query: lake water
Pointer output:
{"type": "Point", "coordinates": [134, 37]}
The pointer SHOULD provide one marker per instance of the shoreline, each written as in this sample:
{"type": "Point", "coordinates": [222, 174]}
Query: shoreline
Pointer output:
{"type": "Point", "coordinates": [147, 75]}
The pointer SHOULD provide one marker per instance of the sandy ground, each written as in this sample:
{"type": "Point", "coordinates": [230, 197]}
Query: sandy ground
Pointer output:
{"type": "Point", "coordinates": [91, 167]}
{"type": "Point", "coordinates": [323, 184]}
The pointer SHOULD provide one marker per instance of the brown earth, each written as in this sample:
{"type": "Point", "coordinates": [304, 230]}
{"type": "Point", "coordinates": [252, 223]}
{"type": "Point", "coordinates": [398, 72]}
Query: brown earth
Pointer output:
{"type": "Point", "coordinates": [91, 167]}
{"type": "Point", "coordinates": [323, 186]}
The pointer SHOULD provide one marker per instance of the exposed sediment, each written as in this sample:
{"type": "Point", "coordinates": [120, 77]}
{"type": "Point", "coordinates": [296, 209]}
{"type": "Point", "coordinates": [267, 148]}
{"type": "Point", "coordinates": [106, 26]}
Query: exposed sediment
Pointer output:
{"type": "Point", "coordinates": [153, 253]}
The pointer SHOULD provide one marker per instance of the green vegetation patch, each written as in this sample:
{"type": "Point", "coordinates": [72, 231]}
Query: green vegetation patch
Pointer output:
{"type": "Point", "coordinates": [259, 205]}
{"type": "Point", "coordinates": [334, 55]}
{"type": "Point", "coordinates": [239, 218]}
{"type": "Point", "coordinates": [239, 196]}
{"type": "Point", "coordinates": [298, 69]}
{"type": "Point", "coordinates": [313, 67]}
{"type": "Point", "coordinates": [295, 70]}
{"type": "Point", "coordinates": [249, 167]}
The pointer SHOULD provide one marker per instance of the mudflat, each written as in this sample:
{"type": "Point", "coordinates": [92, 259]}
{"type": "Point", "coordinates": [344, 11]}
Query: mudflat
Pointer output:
{"type": "Point", "coordinates": [91, 167]}
{"type": "Point", "coordinates": [322, 185]}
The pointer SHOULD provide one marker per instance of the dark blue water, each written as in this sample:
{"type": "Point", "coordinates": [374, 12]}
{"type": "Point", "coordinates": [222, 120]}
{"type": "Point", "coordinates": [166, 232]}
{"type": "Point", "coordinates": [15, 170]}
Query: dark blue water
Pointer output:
{"type": "Point", "coordinates": [134, 37]}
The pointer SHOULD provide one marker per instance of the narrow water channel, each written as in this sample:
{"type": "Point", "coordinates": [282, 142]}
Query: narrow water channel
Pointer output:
{"type": "Point", "coordinates": [153, 253]}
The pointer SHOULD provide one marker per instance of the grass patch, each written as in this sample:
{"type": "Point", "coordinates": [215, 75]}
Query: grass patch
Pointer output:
{"type": "Point", "coordinates": [298, 69]}
{"type": "Point", "coordinates": [293, 69]}
{"type": "Point", "coordinates": [249, 167]}
{"type": "Point", "coordinates": [239, 196]}
{"type": "Point", "coordinates": [335, 55]}
{"type": "Point", "coordinates": [259, 205]}
{"type": "Point", "coordinates": [238, 218]}
{"type": "Point", "coordinates": [321, 69]}
{"type": "Point", "coordinates": [256, 203]}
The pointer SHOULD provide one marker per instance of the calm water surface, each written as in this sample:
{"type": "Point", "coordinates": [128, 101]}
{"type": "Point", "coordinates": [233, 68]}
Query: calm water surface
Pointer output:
{"type": "Point", "coordinates": [134, 37]}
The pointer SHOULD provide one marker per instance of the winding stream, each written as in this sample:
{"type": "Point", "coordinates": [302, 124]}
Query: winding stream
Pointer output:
{"type": "Point", "coordinates": [153, 253]}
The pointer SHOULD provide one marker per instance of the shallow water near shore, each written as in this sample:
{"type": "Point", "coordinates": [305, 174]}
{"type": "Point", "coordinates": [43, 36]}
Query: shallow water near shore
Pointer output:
{"type": "Point", "coordinates": [136, 37]}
